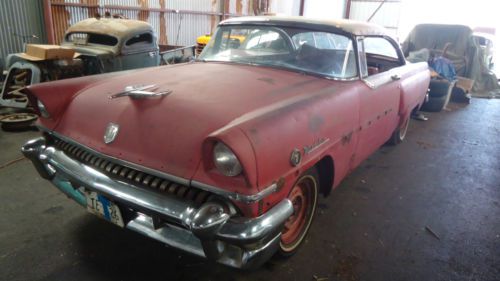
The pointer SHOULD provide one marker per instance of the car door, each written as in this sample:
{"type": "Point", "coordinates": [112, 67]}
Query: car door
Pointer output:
{"type": "Point", "coordinates": [380, 66]}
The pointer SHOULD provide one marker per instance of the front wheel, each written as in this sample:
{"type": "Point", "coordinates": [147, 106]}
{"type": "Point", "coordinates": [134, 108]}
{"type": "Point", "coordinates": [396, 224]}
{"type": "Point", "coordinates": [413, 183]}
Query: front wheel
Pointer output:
{"type": "Point", "coordinates": [304, 197]}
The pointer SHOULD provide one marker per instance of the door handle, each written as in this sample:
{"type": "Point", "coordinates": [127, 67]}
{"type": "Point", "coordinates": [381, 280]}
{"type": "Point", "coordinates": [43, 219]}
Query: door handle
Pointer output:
{"type": "Point", "coordinates": [395, 77]}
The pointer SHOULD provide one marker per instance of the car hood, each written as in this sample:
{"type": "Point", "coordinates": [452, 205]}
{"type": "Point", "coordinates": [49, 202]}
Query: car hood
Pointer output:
{"type": "Point", "coordinates": [167, 133]}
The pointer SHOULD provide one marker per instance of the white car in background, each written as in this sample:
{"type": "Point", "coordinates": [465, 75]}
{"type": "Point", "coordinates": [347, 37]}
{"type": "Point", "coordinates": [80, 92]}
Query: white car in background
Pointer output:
{"type": "Point", "coordinates": [486, 42]}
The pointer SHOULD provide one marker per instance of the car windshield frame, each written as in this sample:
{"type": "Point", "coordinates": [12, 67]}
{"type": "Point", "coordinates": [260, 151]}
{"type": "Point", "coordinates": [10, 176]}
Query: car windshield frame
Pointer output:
{"type": "Point", "coordinates": [301, 55]}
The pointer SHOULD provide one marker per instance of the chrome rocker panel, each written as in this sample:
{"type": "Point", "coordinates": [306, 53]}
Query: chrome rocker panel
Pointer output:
{"type": "Point", "coordinates": [207, 231]}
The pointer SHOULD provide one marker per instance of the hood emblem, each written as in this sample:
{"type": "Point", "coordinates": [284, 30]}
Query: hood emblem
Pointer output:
{"type": "Point", "coordinates": [139, 92]}
{"type": "Point", "coordinates": [111, 132]}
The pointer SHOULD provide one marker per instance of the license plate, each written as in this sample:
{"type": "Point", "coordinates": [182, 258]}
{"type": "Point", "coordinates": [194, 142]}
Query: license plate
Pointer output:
{"type": "Point", "coordinates": [100, 205]}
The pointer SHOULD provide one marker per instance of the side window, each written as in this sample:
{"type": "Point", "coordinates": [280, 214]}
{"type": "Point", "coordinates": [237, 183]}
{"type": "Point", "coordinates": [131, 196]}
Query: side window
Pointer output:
{"type": "Point", "coordinates": [380, 46]}
{"type": "Point", "coordinates": [140, 40]}
{"type": "Point", "coordinates": [378, 55]}
{"type": "Point", "coordinates": [327, 53]}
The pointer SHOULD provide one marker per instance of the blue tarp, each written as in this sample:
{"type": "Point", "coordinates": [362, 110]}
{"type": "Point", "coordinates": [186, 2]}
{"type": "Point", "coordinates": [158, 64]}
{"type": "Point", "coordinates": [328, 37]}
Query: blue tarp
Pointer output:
{"type": "Point", "coordinates": [444, 67]}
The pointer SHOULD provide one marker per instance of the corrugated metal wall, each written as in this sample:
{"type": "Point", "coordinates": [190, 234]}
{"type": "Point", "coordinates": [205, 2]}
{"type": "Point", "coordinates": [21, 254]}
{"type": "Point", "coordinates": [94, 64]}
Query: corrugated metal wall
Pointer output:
{"type": "Point", "coordinates": [19, 18]}
{"type": "Point", "coordinates": [177, 22]}
{"type": "Point", "coordinates": [329, 9]}
{"type": "Point", "coordinates": [383, 12]}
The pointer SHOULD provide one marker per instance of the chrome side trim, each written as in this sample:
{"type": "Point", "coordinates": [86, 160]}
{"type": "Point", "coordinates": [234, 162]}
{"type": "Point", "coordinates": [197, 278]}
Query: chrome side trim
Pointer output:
{"type": "Point", "coordinates": [237, 196]}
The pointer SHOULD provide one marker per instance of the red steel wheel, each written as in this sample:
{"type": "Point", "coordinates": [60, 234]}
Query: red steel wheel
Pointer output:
{"type": "Point", "coordinates": [304, 196]}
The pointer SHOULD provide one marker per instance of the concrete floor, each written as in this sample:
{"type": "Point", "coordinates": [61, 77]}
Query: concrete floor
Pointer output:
{"type": "Point", "coordinates": [377, 225]}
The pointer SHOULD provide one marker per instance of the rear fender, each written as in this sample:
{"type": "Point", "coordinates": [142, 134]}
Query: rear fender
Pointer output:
{"type": "Point", "coordinates": [413, 89]}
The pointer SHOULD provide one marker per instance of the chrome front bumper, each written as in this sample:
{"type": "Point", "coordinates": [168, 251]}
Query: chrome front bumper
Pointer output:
{"type": "Point", "coordinates": [208, 231]}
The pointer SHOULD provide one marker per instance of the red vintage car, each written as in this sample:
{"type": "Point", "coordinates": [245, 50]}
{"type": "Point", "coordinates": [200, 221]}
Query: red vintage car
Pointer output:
{"type": "Point", "coordinates": [224, 157]}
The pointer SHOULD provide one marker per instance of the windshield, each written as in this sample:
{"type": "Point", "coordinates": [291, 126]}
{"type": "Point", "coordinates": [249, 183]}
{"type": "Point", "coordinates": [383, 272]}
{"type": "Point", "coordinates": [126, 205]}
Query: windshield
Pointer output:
{"type": "Point", "coordinates": [324, 53]}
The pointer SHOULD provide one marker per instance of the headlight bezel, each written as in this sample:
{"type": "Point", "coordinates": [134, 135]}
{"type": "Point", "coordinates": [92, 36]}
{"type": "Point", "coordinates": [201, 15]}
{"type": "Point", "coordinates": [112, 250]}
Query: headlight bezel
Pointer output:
{"type": "Point", "coordinates": [42, 109]}
{"type": "Point", "coordinates": [226, 161]}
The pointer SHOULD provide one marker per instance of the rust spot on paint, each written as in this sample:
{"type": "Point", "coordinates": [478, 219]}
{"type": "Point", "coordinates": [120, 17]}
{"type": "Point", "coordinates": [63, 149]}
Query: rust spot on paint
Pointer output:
{"type": "Point", "coordinates": [295, 86]}
{"type": "Point", "coordinates": [346, 138]}
{"type": "Point", "coordinates": [267, 80]}
{"type": "Point", "coordinates": [315, 123]}
{"type": "Point", "coordinates": [254, 135]}
{"type": "Point", "coordinates": [280, 183]}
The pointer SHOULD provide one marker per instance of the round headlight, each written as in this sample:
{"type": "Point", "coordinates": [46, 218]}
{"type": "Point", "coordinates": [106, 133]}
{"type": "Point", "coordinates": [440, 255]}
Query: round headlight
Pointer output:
{"type": "Point", "coordinates": [42, 109]}
{"type": "Point", "coordinates": [226, 162]}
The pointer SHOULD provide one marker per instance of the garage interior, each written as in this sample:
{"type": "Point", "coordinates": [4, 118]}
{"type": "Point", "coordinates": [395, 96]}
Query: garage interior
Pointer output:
{"type": "Point", "coordinates": [426, 209]}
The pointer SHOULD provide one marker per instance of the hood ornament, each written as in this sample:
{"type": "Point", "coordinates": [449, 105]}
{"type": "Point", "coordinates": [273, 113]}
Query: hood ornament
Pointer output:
{"type": "Point", "coordinates": [139, 92]}
{"type": "Point", "coordinates": [111, 133]}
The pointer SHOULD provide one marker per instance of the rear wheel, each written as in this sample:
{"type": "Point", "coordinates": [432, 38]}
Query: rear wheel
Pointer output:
{"type": "Point", "coordinates": [304, 197]}
{"type": "Point", "coordinates": [400, 133]}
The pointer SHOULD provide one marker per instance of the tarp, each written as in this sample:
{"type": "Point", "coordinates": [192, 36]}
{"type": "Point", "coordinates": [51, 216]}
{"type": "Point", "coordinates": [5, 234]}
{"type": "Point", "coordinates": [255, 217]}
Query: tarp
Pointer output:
{"type": "Point", "coordinates": [454, 42]}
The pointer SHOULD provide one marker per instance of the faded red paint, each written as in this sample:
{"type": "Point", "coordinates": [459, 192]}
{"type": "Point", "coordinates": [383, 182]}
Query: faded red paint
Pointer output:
{"type": "Point", "coordinates": [262, 113]}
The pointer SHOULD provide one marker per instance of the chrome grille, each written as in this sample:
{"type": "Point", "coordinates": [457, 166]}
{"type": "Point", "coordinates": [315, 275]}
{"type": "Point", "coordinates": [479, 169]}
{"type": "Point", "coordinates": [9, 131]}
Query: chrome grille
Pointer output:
{"type": "Point", "coordinates": [131, 175]}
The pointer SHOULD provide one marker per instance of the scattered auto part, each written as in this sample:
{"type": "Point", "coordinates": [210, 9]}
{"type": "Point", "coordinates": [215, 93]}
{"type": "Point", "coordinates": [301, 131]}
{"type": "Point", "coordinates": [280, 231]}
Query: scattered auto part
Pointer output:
{"type": "Point", "coordinates": [18, 121]}
{"type": "Point", "coordinates": [439, 95]}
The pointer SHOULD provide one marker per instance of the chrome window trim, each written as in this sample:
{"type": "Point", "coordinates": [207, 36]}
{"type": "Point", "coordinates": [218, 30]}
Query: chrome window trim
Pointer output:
{"type": "Point", "coordinates": [252, 198]}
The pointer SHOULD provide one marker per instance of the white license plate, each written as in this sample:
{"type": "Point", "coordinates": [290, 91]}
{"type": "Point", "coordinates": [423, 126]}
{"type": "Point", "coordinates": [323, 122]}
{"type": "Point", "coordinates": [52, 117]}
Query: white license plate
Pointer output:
{"type": "Point", "coordinates": [101, 206]}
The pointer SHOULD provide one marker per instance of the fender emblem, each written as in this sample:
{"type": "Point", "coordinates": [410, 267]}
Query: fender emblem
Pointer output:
{"type": "Point", "coordinates": [111, 132]}
{"type": "Point", "coordinates": [295, 157]}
